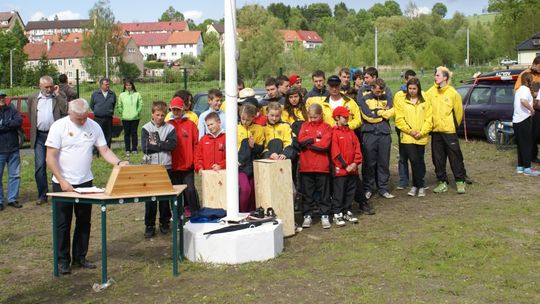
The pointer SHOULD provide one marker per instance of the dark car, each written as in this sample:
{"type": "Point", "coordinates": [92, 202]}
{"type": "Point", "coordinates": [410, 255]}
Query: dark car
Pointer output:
{"type": "Point", "coordinates": [21, 104]}
{"type": "Point", "coordinates": [487, 100]}
{"type": "Point", "coordinates": [200, 100]}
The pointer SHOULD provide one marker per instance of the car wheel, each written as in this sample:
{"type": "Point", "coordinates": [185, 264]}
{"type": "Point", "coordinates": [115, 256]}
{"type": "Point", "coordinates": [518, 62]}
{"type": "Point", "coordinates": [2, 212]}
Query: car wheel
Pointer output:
{"type": "Point", "coordinates": [20, 133]}
{"type": "Point", "coordinates": [491, 131]}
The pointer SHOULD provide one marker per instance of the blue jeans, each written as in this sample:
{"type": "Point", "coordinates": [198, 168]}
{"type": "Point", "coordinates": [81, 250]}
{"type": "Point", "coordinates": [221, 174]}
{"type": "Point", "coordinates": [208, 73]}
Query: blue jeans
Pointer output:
{"type": "Point", "coordinates": [13, 161]}
{"type": "Point", "coordinates": [40, 167]}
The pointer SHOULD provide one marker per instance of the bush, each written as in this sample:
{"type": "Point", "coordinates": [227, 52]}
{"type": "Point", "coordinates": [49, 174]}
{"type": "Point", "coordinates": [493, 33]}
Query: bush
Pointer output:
{"type": "Point", "coordinates": [129, 70]}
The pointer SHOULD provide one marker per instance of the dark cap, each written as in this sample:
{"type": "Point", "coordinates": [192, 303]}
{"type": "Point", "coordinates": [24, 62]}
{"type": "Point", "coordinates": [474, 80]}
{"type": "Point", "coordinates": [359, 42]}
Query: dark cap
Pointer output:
{"type": "Point", "coordinates": [333, 81]}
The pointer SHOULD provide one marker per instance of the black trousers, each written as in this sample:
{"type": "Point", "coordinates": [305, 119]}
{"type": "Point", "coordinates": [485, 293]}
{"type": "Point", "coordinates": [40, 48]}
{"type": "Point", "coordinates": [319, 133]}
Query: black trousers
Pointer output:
{"type": "Point", "coordinates": [191, 197]}
{"type": "Point", "coordinates": [522, 133]}
{"type": "Point", "coordinates": [150, 210]}
{"type": "Point", "coordinates": [359, 195]}
{"type": "Point", "coordinates": [446, 146]}
{"type": "Point", "coordinates": [343, 193]}
{"type": "Point", "coordinates": [81, 235]}
{"type": "Point", "coordinates": [415, 154]}
{"type": "Point", "coordinates": [130, 134]}
{"type": "Point", "coordinates": [316, 182]}
{"type": "Point", "coordinates": [376, 161]}
{"type": "Point", "coordinates": [106, 125]}
{"type": "Point", "coordinates": [535, 135]}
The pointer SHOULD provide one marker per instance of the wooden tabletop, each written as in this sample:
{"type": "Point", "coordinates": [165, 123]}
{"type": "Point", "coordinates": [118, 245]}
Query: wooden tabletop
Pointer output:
{"type": "Point", "coordinates": [177, 189]}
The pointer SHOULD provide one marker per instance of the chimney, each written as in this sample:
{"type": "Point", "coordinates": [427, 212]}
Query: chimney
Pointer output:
{"type": "Point", "coordinates": [49, 44]}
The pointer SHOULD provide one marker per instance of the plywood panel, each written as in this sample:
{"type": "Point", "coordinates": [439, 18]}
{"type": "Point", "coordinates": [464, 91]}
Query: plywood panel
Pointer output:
{"type": "Point", "coordinates": [138, 179]}
{"type": "Point", "coordinates": [214, 189]}
{"type": "Point", "coordinates": [274, 188]}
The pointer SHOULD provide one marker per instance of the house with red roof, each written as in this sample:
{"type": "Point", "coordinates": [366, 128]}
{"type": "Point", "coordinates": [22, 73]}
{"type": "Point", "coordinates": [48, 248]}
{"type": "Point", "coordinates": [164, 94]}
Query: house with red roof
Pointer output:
{"type": "Point", "coordinates": [309, 39]}
{"type": "Point", "coordinates": [9, 19]}
{"type": "Point", "coordinates": [169, 46]}
{"type": "Point", "coordinates": [154, 27]}
{"type": "Point", "coordinates": [38, 30]}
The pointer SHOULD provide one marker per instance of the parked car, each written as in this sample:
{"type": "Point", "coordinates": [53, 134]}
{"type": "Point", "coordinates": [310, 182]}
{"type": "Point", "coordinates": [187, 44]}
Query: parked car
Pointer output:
{"type": "Point", "coordinates": [21, 104]}
{"type": "Point", "coordinates": [487, 100]}
{"type": "Point", "coordinates": [200, 100]}
{"type": "Point", "coordinates": [508, 61]}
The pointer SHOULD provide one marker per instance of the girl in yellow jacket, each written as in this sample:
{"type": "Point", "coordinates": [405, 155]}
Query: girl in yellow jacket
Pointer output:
{"type": "Point", "coordinates": [414, 120]}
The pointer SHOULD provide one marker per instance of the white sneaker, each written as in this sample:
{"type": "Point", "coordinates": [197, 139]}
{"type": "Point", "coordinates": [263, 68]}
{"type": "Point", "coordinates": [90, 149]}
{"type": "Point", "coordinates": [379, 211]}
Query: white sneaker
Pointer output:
{"type": "Point", "coordinates": [422, 192]}
{"type": "Point", "coordinates": [412, 192]}
{"type": "Point", "coordinates": [368, 195]}
{"type": "Point", "coordinates": [387, 195]}
{"type": "Point", "coordinates": [307, 221]}
{"type": "Point", "coordinates": [349, 216]}
{"type": "Point", "coordinates": [338, 220]}
{"type": "Point", "coordinates": [325, 221]}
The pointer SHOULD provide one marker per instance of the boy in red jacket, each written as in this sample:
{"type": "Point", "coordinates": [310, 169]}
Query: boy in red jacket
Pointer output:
{"type": "Point", "coordinates": [314, 138]}
{"type": "Point", "coordinates": [210, 152]}
{"type": "Point", "coordinates": [346, 157]}
{"type": "Point", "coordinates": [187, 136]}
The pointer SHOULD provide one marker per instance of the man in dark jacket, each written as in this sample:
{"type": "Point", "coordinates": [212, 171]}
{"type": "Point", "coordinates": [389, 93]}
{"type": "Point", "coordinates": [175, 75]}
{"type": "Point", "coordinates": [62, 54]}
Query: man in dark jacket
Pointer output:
{"type": "Point", "coordinates": [10, 123]}
{"type": "Point", "coordinates": [102, 103]}
{"type": "Point", "coordinates": [319, 87]}
{"type": "Point", "coordinates": [65, 88]}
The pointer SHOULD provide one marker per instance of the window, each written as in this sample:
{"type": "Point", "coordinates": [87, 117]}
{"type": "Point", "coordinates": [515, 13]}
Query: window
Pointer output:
{"type": "Point", "coordinates": [131, 50]}
{"type": "Point", "coordinates": [83, 74]}
{"type": "Point", "coordinates": [480, 95]}
{"type": "Point", "coordinates": [59, 62]}
{"type": "Point", "coordinates": [70, 74]}
{"type": "Point", "coordinates": [162, 54]}
{"type": "Point", "coordinates": [24, 105]}
{"type": "Point", "coordinates": [504, 95]}
{"type": "Point", "coordinates": [173, 46]}
{"type": "Point", "coordinates": [463, 91]}
{"type": "Point", "coordinates": [70, 62]}
{"type": "Point", "coordinates": [174, 54]}
{"type": "Point", "coordinates": [162, 47]}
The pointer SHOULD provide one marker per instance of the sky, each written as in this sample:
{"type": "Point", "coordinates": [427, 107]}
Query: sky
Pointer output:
{"type": "Point", "coordinates": [127, 11]}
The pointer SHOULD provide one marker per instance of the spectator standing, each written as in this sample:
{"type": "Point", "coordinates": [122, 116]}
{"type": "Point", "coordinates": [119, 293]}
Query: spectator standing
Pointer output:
{"type": "Point", "coordinates": [319, 88]}
{"type": "Point", "coordinates": [215, 98]}
{"type": "Point", "coordinates": [66, 88]}
{"type": "Point", "coordinates": [296, 81]}
{"type": "Point", "coordinates": [102, 103]}
{"type": "Point", "coordinates": [129, 108]}
{"type": "Point", "coordinates": [345, 78]}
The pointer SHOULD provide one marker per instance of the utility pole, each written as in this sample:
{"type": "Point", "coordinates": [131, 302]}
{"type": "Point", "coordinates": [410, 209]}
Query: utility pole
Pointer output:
{"type": "Point", "coordinates": [468, 58]}
{"type": "Point", "coordinates": [376, 49]}
{"type": "Point", "coordinates": [11, 68]}
{"type": "Point", "coordinates": [106, 60]}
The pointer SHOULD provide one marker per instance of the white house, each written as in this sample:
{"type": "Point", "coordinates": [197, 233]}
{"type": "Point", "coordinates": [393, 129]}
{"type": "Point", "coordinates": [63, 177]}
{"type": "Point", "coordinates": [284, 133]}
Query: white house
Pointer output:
{"type": "Point", "coordinates": [528, 50]}
{"type": "Point", "coordinates": [154, 27]}
{"type": "Point", "coordinates": [169, 46]}
{"type": "Point", "coordinates": [37, 30]}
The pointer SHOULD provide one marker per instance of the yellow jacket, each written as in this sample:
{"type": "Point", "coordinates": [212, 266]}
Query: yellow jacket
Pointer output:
{"type": "Point", "coordinates": [417, 117]}
{"type": "Point", "coordinates": [281, 131]}
{"type": "Point", "coordinates": [447, 108]}
{"type": "Point", "coordinates": [354, 120]}
{"type": "Point", "coordinates": [285, 117]}
{"type": "Point", "coordinates": [189, 114]}
{"type": "Point", "coordinates": [254, 131]}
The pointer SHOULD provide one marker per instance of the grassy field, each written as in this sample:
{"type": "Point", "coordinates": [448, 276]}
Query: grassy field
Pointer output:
{"type": "Point", "coordinates": [480, 247]}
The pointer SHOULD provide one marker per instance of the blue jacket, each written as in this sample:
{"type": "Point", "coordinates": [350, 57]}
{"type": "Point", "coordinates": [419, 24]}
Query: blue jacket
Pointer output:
{"type": "Point", "coordinates": [101, 106]}
{"type": "Point", "coordinates": [10, 123]}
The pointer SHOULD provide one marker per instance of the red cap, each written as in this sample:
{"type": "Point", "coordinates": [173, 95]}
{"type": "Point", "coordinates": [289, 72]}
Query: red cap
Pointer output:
{"type": "Point", "coordinates": [177, 102]}
{"type": "Point", "coordinates": [340, 111]}
{"type": "Point", "coordinates": [294, 78]}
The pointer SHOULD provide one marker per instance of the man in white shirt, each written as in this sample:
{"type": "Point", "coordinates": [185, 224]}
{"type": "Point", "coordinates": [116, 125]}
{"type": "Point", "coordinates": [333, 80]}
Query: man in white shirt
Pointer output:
{"type": "Point", "coordinates": [70, 144]}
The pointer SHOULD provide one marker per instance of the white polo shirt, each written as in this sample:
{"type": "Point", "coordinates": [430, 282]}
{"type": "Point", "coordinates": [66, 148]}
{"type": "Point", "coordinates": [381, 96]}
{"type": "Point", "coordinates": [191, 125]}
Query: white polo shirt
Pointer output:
{"type": "Point", "coordinates": [76, 144]}
{"type": "Point", "coordinates": [520, 112]}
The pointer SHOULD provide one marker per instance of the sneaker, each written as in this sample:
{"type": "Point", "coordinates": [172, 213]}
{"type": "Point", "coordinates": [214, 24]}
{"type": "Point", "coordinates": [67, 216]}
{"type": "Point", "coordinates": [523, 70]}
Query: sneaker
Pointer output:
{"type": "Point", "coordinates": [349, 217]}
{"type": "Point", "coordinates": [519, 170]}
{"type": "Point", "coordinates": [460, 187]}
{"type": "Point", "coordinates": [338, 219]}
{"type": "Point", "coordinates": [325, 222]}
{"type": "Point", "coordinates": [149, 232]}
{"type": "Point", "coordinates": [15, 204]}
{"type": "Point", "coordinates": [127, 153]}
{"type": "Point", "coordinates": [368, 194]}
{"type": "Point", "coordinates": [401, 187]}
{"type": "Point", "coordinates": [422, 192]}
{"type": "Point", "coordinates": [307, 221]}
{"type": "Point", "coordinates": [412, 192]}
{"type": "Point", "coordinates": [530, 172]}
{"type": "Point", "coordinates": [387, 195]}
{"type": "Point", "coordinates": [164, 228]}
{"type": "Point", "coordinates": [441, 187]}
{"type": "Point", "coordinates": [367, 209]}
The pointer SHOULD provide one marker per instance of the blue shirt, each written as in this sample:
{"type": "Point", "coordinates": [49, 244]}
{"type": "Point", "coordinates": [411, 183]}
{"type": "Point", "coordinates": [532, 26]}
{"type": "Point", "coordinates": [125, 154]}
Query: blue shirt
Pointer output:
{"type": "Point", "coordinates": [203, 130]}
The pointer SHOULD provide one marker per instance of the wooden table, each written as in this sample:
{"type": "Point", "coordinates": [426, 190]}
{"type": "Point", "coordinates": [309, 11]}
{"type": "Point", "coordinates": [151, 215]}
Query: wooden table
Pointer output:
{"type": "Point", "coordinates": [104, 200]}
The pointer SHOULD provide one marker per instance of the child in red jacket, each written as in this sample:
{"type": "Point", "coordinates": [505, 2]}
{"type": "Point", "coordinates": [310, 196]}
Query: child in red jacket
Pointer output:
{"type": "Point", "coordinates": [187, 136]}
{"type": "Point", "coordinates": [346, 157]}
{"type": "Point", "coordinates": [314, 138]}
{"type": "Point", "coordinates": [210, 152]}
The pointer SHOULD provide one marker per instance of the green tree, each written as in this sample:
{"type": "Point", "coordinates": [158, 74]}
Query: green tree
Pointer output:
{"type": "Point", "coordinates": [341, 11]}
{"type": "Point", "coordinates": [10, 42]}
{"type": "Point", "coordinates": [128, 70]}
{"type": "Point", "coordinates": [439, 9]}
{"type": "Point", "coordinates": [43, 67]}
{"type": "Point", "coordinates": [281, 11]}
{"type": "Point", "coordinates": [171, 15]}
{"type": "Point", "coordinates": [297, 21]}
{"type": "Point", "coordinates": [392, 8]}
{"type": "Point", "coordinates": [18, 31]}
{"type": "Point", "coordinates": [315, 12]}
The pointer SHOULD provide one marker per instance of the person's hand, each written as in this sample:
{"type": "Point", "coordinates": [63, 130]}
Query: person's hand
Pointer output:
{"type": "Point", "coordinates": [251, 142]}
{"type": "Point", "coordinates": [66, 186]}
{"type": "Point", "coordinates": [216, 167]}
{"type": "Point", "coordinates": [351, 167]}
{"type": "Point", "coordinates": [281, 157]}
{"type": "Point", "coordinates": [274, 156]}
{"type": "Point", "coordinates": [56, 91]}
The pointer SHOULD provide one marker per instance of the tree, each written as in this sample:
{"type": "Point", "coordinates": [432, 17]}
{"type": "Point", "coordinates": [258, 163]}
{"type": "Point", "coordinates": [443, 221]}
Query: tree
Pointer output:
{"type": "Point", "coordinates": [341, 11]}
{"type": "Point", "coordinates": [44, 67]}
{"type": "Point", "coordinates": [297, 21]}
{"type": "Point", "coordinates": [128, 70]}
{"type": "Point", "coordinates": [171, 15]}
{"type": "Point", "coordinates": [9, 42]}
{"type": "Point", "coordinates": [281, 11]}
{"type": "Point", "coordinates": [439, 9]}
{"type": "Point", "coordinates": [18, 31]}
{"type": "Point", "coordinates": [315, 12]}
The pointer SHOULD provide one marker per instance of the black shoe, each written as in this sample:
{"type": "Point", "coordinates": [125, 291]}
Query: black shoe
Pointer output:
{"type": "Point", "coordinates": [164, 228]}
{"type": "Point", "coordinates": [84, 263]}
{"type": "Point", "coordinates": [2, 207]}
{"type": "Point", "coordinates": [367, 209]}
{"type": "Point", "coordinates": [64, 268]}
{"type": "Point", "coordinates": [15, 204]}
{"type": "Point", "coordinates": [41, 201]}
{"type": "Point", "coordinates": [149, 232]}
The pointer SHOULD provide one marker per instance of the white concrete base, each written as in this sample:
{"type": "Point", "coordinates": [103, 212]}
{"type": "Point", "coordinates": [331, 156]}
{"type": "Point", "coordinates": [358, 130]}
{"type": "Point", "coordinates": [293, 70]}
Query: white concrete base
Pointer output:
{"type": "Point", "coordinates": [247, 245]}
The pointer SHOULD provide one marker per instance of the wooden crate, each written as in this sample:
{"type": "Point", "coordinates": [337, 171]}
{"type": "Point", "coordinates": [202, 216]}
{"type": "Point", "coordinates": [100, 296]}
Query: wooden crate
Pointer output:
{"type": "Point", "coordinates": [274, 188]}
{"type": "Point", "coordinates": [138, 179]}
{"type": "Point", "coordinates": [214, 189]}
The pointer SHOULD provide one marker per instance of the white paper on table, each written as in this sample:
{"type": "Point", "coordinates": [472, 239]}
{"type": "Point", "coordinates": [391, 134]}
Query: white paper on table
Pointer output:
{"type": "Point", "coordinates": [89, 190]}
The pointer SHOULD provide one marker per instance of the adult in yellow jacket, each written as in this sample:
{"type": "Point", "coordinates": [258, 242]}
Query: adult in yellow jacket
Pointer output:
{"type": "Point", "coordinates": [447, 115]}
{"type": "Point", "coordinates": [414, 120]}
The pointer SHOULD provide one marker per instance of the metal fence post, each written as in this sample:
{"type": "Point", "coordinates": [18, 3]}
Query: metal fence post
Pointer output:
{"type": "Point", "coordinates": [185, 79]}
{"type": "Point", "coordinates": [77, 83]}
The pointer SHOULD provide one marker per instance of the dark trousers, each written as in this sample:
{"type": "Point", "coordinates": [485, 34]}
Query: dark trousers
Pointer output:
{"type": "Point", "coordinates": [106, 125]}
{"type": "Point", "coordinates": [376, 164]}
{"type": "Point", "coordinates": [415, 154]}
{"type": "Point", "coordinates": [359, 195]}
{"type": "Point", "coordinates": [403, 164]}
{"type": "Point", "coordinates": [316, 182]}
{"type": "Point", "coordinates": [344, 188]}
{"type": "Point", "coordinates": [40, 172]}
{"type": "Point", "coordinates": [81, 235]}
{"type": "Point", "coordinates": [446, 146]}
{"type": "Point", "coordinates": [191, 197]}
{"type": "Point", "coordinates": [130, 134]}
{"type": "Point", "coordinates": [150, 210]}
{"type": "Point", "coordinates": [522, 133]}
{"type": "Point", "coordinates": [535, 134]}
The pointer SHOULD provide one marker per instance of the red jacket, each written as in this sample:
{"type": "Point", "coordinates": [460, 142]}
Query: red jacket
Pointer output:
{"type": "Point", "coordinates": [210, 151]}
{"type": "Point", "coordinates": [314, 140]}
{"type": "Point", "coordinates": [345, 150]}
{"type": "Point", "coordinates": [260, 120]}
{"type": "Point", "coordinates": [187, 137]}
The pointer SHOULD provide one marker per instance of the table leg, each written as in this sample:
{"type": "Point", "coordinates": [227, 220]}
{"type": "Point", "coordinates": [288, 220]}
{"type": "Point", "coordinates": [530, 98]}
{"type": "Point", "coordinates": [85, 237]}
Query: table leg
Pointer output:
{"type": "Point", "coordinates": [181, 228]}
{"type": "Point", "coordinates": [54, 239]}
{"type": "Point", "coordinates": [103, 243]}
{"type": "Point", "coordinates": [175, 238]}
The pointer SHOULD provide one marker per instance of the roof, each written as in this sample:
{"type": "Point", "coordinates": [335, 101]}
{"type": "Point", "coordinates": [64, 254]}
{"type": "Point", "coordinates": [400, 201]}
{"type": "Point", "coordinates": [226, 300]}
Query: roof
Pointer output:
{"type": "Point", "coordinates": [56, 24]}
{"type": "Point", "coordinates": [310, 36]}
{"type": "Point", "coordinates": [530, 44]}
{"type": "Point", "coordinates": [69, 37]}
{"type": "Point", "coordinates": [150, 39]}
{"type": "Point", "coordinates": [184, 37]}
{"type": "Point", "coordinates": [59, 50]}
{"type": "Point", "coordinates": [290, 35]}
{"type": "Point", "coordinates": [165, 26]}
{"type": "Point", "coordinates": [219, 27]}
{"type": "Point", "coordinates": [10, 17]}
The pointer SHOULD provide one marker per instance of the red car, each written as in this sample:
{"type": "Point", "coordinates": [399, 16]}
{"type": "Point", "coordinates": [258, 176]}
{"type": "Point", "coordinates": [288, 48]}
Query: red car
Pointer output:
{"type": "Point", "coordinates": [21, 104]}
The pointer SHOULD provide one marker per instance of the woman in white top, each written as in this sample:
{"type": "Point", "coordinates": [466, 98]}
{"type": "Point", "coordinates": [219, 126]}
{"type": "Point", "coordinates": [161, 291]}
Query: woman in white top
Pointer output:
{"type": "Point", "coordinates": [522, 124]}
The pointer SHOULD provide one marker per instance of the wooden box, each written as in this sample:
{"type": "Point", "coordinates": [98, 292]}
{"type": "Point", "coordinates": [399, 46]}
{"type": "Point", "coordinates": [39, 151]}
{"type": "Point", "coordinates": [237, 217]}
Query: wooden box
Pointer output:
{"type": "Point", "coordinates": [138, 179]}
{"type": "Point", "coordinates": [214, 189]}
{"type": "Point", "coordinates": [274, 188]}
